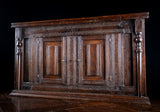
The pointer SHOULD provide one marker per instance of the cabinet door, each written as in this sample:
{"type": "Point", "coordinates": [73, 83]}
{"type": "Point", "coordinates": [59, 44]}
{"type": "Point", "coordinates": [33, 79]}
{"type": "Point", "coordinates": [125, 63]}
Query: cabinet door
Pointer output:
{"type": "Point", "coordinates": [106, 60]}
{"type": "Point", "coordinates": [91, 60]}
{"type": "Point", "coordinates": [54, 64]}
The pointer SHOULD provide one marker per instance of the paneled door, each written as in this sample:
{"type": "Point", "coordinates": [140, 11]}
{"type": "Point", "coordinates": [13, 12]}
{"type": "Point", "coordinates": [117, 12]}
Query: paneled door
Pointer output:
{"type": "Point", "coordinates": [54, 64]}
{"type": "Point", "coordinates": [91, 60]}
{"type": "Point", "coordinates": [106, 60]}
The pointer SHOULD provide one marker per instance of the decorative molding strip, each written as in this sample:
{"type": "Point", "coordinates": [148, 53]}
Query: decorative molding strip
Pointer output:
{"type": "Point", "coordinates": [73, 33]}
{"type": "Point", "coordinates": [118, 17]}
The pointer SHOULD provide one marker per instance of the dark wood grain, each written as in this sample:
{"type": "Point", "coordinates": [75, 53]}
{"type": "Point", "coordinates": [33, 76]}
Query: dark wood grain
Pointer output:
{"type": "Point", "coordinates": [71, 60]}
{"type": "Point", "coordinates": [23, 104]}
{"type": "Point", "coordinates": [52, 59]}
{"type": "Point", "coordinates": [82, 58]}
{"type": "Point", "coordinates": [83, 20]}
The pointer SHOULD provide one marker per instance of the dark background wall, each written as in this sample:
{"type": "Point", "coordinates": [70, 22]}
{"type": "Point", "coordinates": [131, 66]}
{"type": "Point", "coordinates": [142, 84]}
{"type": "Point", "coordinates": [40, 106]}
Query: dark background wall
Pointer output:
{"type": "Point", "coordinates": [25, 10]}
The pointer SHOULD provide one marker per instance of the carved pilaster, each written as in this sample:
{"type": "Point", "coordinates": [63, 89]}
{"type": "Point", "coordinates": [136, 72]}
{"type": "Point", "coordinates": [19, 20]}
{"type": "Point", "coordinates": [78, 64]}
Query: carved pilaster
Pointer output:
{"type": "Point", "coordinates": [19, 46]}
{"type": "Point", "coordinates": [18, 57]}
{"type": "Point", "coordinates": [139, 51]}
{"type": "Point", "coordinates": [138, 41]}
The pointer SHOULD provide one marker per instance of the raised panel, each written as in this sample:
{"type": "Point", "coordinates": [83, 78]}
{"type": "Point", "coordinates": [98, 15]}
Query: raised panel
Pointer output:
{"type": "Point", "coordinates": [93, 59]}
{"type": "Point", "coordinates": [91, 54]}
{"type": "Point", "coordinates": [52, 58]}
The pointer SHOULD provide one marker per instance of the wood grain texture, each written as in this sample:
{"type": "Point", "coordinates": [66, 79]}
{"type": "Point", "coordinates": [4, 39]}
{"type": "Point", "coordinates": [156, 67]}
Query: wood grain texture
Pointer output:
{"type": "Point", "coordinates": [19, 58]}
{"type": "Point", "coordinates": [52, 58]}
{"type": "Point", "coordinates": [81, 56]}
{"type": "Point", "coordinates": [83, 20]}
{"type": "Point", "coordinates": [124, 100]}
{"type": "Point", "coordinates": [14, 104]}
{"type": "Point", "coordinates": [91, 54]}
{"type": "Point", "coordinates": [71, 60]}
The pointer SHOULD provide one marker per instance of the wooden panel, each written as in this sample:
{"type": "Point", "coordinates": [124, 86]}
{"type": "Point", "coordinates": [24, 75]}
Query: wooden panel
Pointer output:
{"type": "Point", "coordinates": [134, 60]}
{"type": "Point", "coordinates": [118, 60]}
{"type": "Point", "coordinates": [71, 60]}
{"type": "Point", "coordinates": [40, 60]}
{"type": "Point", "coordinates": [110, 59]}
{"type": "Point", "coordinates": [80, 57]}
{"type": "Point", "coordinates": [93, 58]}
{"type": "Point", "coordinates": [127, 62]}
{"type": "Point", "coordinates": [78, 29]}
{"type": "Point", "coordinates": [30, 60]}
{"type": "Point", "coordinates": [91, 54]}
{"type": "Point", "coordinates": [52, 58]}
{"type": "Point", "coordinates": [26, 65]}
{"type": "Point", "coordinates": [64, 63]}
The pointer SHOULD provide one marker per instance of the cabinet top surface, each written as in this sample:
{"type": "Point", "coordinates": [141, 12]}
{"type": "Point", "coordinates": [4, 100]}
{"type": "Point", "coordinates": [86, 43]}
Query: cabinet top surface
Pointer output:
{"type": "Point", "coordinates": [117, 17]}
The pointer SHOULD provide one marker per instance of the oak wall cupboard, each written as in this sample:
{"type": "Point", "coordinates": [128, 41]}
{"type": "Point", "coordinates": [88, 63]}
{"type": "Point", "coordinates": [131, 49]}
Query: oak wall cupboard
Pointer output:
{"type": "Point", "coordinates": [96, 58]}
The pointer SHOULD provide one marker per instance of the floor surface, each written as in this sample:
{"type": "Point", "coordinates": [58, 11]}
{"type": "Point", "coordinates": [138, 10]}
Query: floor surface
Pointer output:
{"type": "Point", "coordinates": [27, 104]}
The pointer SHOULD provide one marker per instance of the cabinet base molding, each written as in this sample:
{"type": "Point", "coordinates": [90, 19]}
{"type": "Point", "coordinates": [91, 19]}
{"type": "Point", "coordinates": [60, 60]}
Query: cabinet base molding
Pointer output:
{"type": "Point", "coordinates": [142, 102]}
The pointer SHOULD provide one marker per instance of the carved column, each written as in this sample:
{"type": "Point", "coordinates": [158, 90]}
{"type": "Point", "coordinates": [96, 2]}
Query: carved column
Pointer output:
{"type": "Point", "coordinates": [18, 58]}
{"type": "Point", "coordinates": [139, 51]}
{"type": "Point", "coordinates": [140, 57]}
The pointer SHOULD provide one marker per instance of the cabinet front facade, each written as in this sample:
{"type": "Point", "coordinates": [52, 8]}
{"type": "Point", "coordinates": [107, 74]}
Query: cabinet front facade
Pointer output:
{"type": "Point", "coordinates": [99, 62]}
{"type": "Point", "coordinates": [82, 58]}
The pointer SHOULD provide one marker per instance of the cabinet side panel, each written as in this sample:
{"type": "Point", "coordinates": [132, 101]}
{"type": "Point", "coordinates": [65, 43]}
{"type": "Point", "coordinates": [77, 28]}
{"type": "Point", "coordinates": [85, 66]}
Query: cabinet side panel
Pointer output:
{"type": "Point", "coordinates": [30, 60]}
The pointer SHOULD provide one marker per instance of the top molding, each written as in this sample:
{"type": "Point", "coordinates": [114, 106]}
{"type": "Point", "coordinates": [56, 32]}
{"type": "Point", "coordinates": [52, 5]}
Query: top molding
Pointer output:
{"type": "Point", "coordinates": [118, 17]}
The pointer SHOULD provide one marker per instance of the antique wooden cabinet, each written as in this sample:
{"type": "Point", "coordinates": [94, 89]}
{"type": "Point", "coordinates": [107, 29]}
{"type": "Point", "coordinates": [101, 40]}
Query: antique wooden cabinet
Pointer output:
{"type": "Point", "coordinates": [96, 58]}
